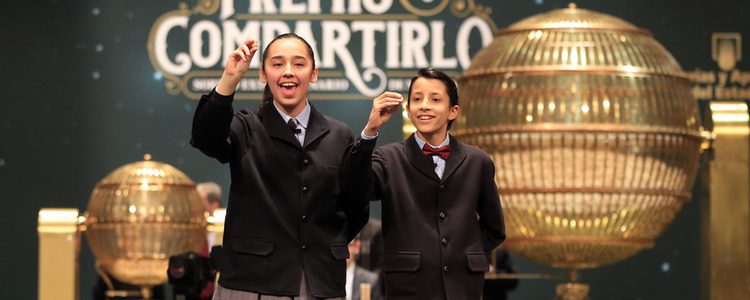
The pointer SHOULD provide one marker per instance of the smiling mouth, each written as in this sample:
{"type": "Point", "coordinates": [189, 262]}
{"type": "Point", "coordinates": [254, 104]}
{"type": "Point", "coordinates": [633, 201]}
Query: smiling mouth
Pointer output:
{"type": "Point", "coordinates": [288, 88]}
{"type": "Point", "coordinates": [425, 118]}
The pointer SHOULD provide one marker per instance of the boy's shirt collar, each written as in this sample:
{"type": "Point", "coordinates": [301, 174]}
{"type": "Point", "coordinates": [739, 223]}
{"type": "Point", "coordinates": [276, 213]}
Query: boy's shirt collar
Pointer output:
{"type": "Point", "coordinates": [421, 143]}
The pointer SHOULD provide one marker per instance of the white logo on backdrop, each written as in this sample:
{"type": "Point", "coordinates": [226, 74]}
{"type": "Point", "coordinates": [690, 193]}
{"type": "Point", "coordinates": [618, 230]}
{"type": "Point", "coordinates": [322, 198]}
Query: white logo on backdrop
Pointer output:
{"type": "Point", "coordinates": [362, 47]}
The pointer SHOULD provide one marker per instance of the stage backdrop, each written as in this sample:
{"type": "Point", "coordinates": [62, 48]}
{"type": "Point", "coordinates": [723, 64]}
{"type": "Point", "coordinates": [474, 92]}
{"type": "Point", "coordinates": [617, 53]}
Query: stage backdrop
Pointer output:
{"type": "Point", "coordinates": [88, 86]}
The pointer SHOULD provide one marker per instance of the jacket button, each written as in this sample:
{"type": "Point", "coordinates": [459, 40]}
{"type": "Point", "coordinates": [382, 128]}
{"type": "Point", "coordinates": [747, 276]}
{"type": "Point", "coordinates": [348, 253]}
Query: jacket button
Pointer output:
{"type": "Point", "coordinates": [441, 215]}
{"type": "Point", "coordinates": [445, 269]}
{"type": "Point", "coordinates": [442, 187]}
{"type": "Point", "coordinates": [304, 218]}
{"type": "Point", "coordinates": [304, 246]}
{"type": "Point", "coordinates": [306, 162]}
{"type": "Point", "coordinates": [444, 241]}
{"type": "Point", "coordinates": [305, 189]}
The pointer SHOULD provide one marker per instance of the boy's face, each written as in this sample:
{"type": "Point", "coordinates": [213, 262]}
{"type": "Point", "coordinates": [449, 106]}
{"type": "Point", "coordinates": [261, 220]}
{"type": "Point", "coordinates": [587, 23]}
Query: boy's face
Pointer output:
{"type": "Point", "coordinates": [430, 107]}
{"type": "Point", "coordinates": [288, 70]}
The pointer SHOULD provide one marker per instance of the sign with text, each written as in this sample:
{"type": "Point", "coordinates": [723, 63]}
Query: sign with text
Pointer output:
{"type": "Point", "coordinates": [729, 82]}
{"type": "Point", "coordinates": [362, 47]}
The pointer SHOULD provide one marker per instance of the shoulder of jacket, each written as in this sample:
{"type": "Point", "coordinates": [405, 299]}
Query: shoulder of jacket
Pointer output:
{"type": "Point", "coordinates": [249, 118]}
{"type": "Point", "coordinates": [246, 113]}
{"type": "Point", "coordinates": [336, 124]}
{"type": "Point", "coordinates": [475, 154]}
{"type": "Point", "coordinates": [473, 150]}
{"type": "Point", "coordinates": [391, 147]}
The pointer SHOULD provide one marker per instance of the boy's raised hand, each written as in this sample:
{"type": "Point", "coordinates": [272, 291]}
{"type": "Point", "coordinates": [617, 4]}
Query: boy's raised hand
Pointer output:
{"type": "Point", "coordinates": [383, 108]}
{"type": "Point", "coordinates": [237, 64]}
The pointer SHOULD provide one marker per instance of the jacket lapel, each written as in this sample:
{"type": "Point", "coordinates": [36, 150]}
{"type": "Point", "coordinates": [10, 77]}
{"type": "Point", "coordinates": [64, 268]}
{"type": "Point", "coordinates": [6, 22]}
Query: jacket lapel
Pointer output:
{"type": "Point", "coordinates": [317, 126]}
{"type": "Point", "coordinates": [275, 126]}
{"type": "Point", "coordinates": [457, 157]}
{"type": "Point", "coordinates": [420, 161]}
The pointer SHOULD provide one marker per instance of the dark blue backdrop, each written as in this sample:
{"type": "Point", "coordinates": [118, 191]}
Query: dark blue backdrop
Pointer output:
{"type": "Point", "coordinates": [80, 98]}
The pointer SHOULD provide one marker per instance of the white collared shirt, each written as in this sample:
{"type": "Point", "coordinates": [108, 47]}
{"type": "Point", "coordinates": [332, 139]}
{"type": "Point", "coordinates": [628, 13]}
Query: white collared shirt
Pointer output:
{"type": "Point", "coordinates": [439, 161]}
{"type": "Point", "coordinates": [303, 118]}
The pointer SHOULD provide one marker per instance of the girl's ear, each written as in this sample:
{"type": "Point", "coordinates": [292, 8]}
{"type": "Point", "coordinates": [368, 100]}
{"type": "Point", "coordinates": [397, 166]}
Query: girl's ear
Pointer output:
{"type": "Point", "coordinates": [262, 75]}
{"type": "Point", "coordinates": [314, 76]}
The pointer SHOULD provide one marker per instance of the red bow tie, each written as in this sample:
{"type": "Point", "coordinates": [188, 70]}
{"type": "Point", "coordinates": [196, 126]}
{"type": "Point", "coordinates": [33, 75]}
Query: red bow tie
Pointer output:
{"type": "Point", "coordinates": [443, 151]}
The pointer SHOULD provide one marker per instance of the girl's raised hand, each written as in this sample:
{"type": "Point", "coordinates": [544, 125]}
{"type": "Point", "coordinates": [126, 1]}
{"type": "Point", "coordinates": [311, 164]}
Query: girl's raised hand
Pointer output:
{"type": "Point", "coordinates": [237, 64]}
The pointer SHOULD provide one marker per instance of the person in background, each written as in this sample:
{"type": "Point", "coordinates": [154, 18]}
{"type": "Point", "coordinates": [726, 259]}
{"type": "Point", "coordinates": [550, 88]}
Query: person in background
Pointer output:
{"type": "Point", "coordinates": [356, 275]}
{"type": "Point", "coordinates": [498, 289]}
{"type": "Point", "coordinates": [370, 255]}
{"type": "Point", "coordinates": [210, 193]}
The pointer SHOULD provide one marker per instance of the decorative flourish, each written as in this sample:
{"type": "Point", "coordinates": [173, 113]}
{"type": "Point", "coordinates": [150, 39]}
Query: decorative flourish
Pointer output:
{"type": "Point", "coordinates": [462, 8]}
{"type": "Point", "coordinates": [425, 12]}
{"type": "Point", "coordinates": [207, 7]}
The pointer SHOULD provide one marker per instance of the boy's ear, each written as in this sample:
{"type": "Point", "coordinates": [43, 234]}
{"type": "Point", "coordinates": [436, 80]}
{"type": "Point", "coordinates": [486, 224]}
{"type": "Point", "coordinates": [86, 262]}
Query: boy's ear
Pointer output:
{"type": "Point", "coordinates": [262, 75]}
{"type": "Point", "coordinates": [453, 113]}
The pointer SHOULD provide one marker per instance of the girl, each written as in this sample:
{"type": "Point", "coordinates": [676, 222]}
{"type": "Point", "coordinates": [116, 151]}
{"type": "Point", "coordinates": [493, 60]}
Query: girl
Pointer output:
{"type": "Point", "coordinates": [287, 227]}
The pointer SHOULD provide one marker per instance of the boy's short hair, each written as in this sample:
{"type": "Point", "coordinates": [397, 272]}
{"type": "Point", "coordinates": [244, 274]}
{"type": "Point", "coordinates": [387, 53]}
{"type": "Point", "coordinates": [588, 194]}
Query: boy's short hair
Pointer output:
{"type": "Point", "coordinates": [450, 85]}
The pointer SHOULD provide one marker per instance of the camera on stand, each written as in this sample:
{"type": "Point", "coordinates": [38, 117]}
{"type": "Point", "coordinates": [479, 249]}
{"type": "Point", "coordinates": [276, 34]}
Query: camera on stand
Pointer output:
{"type": "Point", "coordinates": [190, 274]}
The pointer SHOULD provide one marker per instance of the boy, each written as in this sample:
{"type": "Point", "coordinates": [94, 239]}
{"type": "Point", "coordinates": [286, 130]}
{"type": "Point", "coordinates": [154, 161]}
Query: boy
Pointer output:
{"type": "Point", "coordinates": [441, 209]}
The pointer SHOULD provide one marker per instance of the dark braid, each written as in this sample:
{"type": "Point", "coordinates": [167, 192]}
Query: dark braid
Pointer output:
{"type": "Point", "coordinates": [267, 97]}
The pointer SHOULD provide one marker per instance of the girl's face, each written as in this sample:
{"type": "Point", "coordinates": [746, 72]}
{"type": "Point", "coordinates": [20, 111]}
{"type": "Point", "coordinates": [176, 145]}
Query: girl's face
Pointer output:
{"type": "Point", "coordinates": [288, 70]}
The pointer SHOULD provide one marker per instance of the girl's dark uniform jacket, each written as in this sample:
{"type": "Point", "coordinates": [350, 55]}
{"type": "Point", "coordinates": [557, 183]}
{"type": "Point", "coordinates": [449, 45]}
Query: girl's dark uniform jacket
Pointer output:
{"type": "Point", "coordinates": [437, 232]}
{"type": "Point", "coordinates": [285, 208]}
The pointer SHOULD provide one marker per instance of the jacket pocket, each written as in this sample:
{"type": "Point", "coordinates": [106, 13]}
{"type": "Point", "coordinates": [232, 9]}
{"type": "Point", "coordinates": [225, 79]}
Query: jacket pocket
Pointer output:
{"type": "Point", "coordinates": [402, 261]}
{"type": "Point", "coordinates": [252, 245]}
{"type": "Point", "coordinates": [340, 251]}
{"type": "Point", "coordinates": [401, 274]}
{"type": "Point", "coordinates": [249, 260]}
{"type": "Point", "coordinates": [477, 261]}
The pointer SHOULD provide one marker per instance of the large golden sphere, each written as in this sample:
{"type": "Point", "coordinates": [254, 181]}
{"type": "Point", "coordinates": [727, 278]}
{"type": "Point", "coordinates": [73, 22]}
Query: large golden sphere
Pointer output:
{"type": "Point", "coordinates": [593, 130]}
{"type": "Point", "coordinates": [138, 216]}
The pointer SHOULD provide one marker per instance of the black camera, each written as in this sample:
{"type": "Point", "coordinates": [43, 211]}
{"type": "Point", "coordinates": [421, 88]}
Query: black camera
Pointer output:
{"type": "Point", "coordinates": [189, 274]}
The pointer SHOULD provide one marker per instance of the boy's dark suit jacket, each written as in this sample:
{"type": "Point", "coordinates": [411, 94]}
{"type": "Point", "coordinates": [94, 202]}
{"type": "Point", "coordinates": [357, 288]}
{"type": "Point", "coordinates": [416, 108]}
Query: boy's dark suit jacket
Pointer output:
{"type": "Point", "coordinates": [285, 206]}
{"type": "Point", "coordinates": [438, 232]}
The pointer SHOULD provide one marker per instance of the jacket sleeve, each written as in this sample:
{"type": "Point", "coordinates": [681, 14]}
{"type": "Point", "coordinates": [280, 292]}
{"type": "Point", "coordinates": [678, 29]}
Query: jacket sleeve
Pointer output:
{"type": "Point", "coordinates": [362, 171]}
{"type": "Point", "coordinates": [379, 174]}
{"type": "Point", "coordinates": [489, 209]}
{"type": "Point", "coordinates": [213, 125]}
{"type": "Point", "coordinates": [355, 199]}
